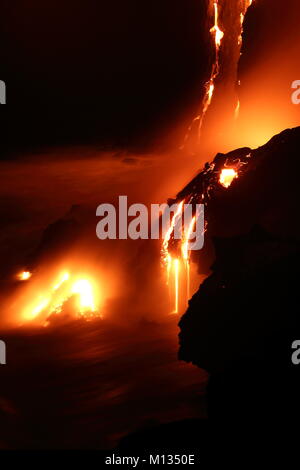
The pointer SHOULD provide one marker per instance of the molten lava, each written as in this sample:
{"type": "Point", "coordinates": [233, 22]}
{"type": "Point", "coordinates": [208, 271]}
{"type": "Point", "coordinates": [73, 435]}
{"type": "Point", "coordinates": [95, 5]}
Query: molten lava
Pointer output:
{"type": "Point", "coordinates": [171, 228]}
{"type": "Point", "coordinates": [55, 299]}
{"type": "Point", "coordinates": [185, 255]}
{"type": "Point", "coordinates": [186, 238]}
{"type": "Point", "coordinates": [166, 257]}
{"type": "Point", "coordinates": [218, 35]}
{"type": "Point", "coordinates": [237, 109]}
{"type": "Point", "coordinates": [210, 85]}
{"type": "Point", "coordinates": [176, 280]}
{"type": "Point", "coordinates": [85, 295]}
{"type": "Point", "coordinates": [173, 264]}
{"type": "Point", "coordinates": [227, 176]}
{"type": "Point", "coordinates": [215, 8]}
{"type": "Point", "coordinates": [64, 277]}
{"type": "Point", "coordinates": [24, 275]}
{"type": "Point", "coordinates": [199, 191]}
{"type": "Point", "coordinates": [215, 30]}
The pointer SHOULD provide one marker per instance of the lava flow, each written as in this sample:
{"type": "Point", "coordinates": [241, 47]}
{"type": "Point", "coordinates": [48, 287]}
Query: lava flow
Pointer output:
{"type": "Point", "coordinates": [200, 191]}
{"type": "Point", "coordinates": [227, 176]}
{"type": "Point", "coordinates": [186, 254]}
{"type": "Point", "coordinates": [70, 294]}
{"type": "Point", "coordinates": [176, 279]}
{"type": "Point", "coordinates": [210, 84]}
{"type": "Point", "coordinates": [215, 9]}
{"type": "Point", "coordinates": [224, 176]}
{"type": "Point", "coordinates": [24, 276]}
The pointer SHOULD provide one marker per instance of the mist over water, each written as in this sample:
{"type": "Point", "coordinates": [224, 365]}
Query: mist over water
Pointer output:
{"type": "Point", "coordinates": [83, 381]}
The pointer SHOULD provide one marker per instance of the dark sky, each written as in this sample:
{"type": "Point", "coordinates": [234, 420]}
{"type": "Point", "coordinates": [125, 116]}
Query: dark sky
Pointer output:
{"type": "Point", "coordinates": [83, 70]}
{"type": "Point", "coordinates": [125, 73]}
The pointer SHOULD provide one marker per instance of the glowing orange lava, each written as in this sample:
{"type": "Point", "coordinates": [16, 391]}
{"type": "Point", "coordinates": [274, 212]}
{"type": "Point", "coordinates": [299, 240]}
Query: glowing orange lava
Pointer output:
{"type": "Point", "coordinates": [41, 304]}
{"type": "Point", "coordinates": [64, 277]}
{"type": "Point", "coordinates": [24, 275]}
{"type": "Point", "coordinates": [227, 176]}
{"type": "Point", "coordinates": [169, 267]}
{"type": "Point", "coordinates": [210, 85]}
{"type": "Point", "coordinates": [167, 259]}
{"type": "Point", "coordinates": [218, 35]}
{"type": "Point", "coordinates": [185, 255]}
{"type": "Point", "coordinates": [52, 300]}
{"type": "Point", "coordinates": [173, 264]}
{"type": "Point", "coordinates": [176, 280]}
{"type": "Point", "coordinates": [237, 109]}
{"type": "Point", "coordinates": [215, 30]}
{"type": "Point", "coordinates": [186, 238]}
{"type": "Point", "coordinates": [84, 291]}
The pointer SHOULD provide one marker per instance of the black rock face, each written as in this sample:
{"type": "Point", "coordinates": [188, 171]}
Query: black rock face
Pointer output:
{"type": "Point", "coordinates": [241, 323]}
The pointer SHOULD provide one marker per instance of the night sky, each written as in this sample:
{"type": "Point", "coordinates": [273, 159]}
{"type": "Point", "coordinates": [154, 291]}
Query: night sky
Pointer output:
{"type": "Point", "coordinates": [114, 72]}
{"type": "Point", "coordinates": [125, 73]}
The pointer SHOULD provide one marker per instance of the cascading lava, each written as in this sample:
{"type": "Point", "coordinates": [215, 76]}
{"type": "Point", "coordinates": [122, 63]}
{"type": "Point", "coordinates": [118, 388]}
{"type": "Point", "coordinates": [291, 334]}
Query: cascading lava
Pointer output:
{"type": "Point", "coordinates": [215, 9]}
{"type": "Point", "coordinates": [210, 85]}
{"type": "Point", "coordinates": [247, 4]}
{"type": "Point", "coordinates": [176, 255]}
{"type": "Point", "coordinates": [218, 35]}
{"type": "Point", "coordinates": [217, 175]}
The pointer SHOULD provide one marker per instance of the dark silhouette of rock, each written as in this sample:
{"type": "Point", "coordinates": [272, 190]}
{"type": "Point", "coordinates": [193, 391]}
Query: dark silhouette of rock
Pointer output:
{"type": "Point", "coordinates": [241, 323]}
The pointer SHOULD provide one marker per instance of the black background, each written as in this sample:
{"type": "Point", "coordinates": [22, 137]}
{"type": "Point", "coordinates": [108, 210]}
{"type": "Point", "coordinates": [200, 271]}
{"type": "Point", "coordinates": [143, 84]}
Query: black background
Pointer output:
{"type": "Point", "coordinates": [118, 72]}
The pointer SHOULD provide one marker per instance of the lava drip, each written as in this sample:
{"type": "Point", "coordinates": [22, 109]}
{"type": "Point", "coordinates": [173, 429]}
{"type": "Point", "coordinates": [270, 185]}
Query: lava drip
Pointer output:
{"type": "Point", "coordinates": [221, 88]}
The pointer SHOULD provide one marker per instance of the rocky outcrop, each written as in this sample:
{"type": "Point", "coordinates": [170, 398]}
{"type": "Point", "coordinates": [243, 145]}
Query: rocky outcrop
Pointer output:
{"type": "Point", "coordinates": [241, 323]}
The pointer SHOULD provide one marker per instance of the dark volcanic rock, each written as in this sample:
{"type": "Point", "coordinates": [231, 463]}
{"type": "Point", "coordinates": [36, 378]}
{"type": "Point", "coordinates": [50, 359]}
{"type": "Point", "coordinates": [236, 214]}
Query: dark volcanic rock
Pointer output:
{"type": "Point", "coordinates": [241, 323]}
